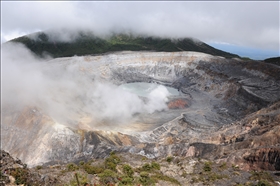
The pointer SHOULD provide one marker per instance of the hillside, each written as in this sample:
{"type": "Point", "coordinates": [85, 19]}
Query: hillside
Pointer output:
{"type": "Point", "coordinates": [273, 60]}
{"type": "Point", "coordinates": [88, 44]}
{"type": "Point", "coordinates": [127, 169]}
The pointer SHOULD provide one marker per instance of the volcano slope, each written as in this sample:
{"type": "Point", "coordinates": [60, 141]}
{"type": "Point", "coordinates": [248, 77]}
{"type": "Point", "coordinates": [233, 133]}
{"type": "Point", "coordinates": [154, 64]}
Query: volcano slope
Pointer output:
{"type": "Point", "coordinates": [229, 110]}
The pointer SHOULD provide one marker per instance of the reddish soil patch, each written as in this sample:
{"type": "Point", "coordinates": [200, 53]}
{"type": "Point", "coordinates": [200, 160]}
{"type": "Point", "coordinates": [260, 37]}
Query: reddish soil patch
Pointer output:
{"type": "Point", "coordinates": [178, 104]}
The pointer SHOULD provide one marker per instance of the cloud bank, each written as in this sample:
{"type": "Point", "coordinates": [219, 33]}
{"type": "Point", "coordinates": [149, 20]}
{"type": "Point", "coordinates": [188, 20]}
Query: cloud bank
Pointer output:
{"type": "Point", "coordinates": [252, 24]}
{"type": "Point", "coordinates": [65, 93]}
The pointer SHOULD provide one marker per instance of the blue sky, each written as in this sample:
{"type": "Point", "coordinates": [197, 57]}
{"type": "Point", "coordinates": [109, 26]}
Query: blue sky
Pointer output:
{"type": "Point", "coordinates": [243, 51]}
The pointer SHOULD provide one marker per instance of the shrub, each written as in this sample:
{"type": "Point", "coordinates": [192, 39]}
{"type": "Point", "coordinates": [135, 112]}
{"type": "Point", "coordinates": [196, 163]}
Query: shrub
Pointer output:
{"type": "Point", "coordinates": [146, 167]}
{"type": "Point", "coordinates": [155, 165]}
{"type": "Point", "coordinates": [113, 158]}
{"type": "Point", "coordinates": [223, 166]}
{"type": "Point", "coordinates": [82, 180]}
{"type": "Point", "coordinates": [145, 179]}
{"type": "Point", "coordinates": [144, 158]}
{"type": "Point", "coordinates": [208, 177]}
{"type": "Point", "coordinates": [93, 169]}
{"type": "Point", "coordinates": [82, 163]}
{"type": "Point", "coordinates": [214, 177]}
{"type": "Point", "coordinates": [108, 176]}
{"type": "Point", "coordinates": [144, 174]}
{"type": "Point", "coordinates": [126, 180]}
{"type": "Point", "coordinates": [112, 161]}
{"type": "Point", "coordinates": [261, 176]}
{"type": "Point", "coordinates": [110, 165]}
{"type": "Point", "coordinates": [207, 166]}
{"type": "Point", "coordinates": [20, 175]}
{"type": "Point", "coordinates": [169, 159]}
{"type": "Point", "coordinates": [263, 183]}
{"type": "Point", "coordinates": [72, 167]}
{"type": "Point", "coordinates": [39, 167]}
{"type": "Point", "coordinates": [165, 178]}
{"type": "Point", "coordinates": [127, 169]}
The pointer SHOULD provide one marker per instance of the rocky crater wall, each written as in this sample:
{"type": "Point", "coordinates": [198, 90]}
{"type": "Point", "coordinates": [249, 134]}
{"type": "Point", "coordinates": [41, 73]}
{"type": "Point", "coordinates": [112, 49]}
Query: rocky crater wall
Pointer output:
{"type": "Point", "coordinates": [219, 93]}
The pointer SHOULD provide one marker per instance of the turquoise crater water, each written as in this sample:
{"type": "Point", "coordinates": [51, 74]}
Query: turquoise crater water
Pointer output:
{"type": "Point", "coordinates": [145, 89]}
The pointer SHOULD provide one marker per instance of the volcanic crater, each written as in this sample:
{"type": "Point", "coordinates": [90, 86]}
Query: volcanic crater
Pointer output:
{"type": "Point", "coordinates": [209, 117]}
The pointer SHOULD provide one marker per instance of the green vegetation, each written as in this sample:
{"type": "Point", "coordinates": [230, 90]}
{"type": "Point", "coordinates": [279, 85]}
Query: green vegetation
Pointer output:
{"type": "Point", "coordinates": [81, 162]}
{"type": "Point", "coordinates": [155, 165]}
{"type": "Point", "coordinates": [144, 158]}
{"type": "Point", "coordinates": [108, 177]}
{"type": "Point", "coordinates": [125, 180]}
{"type": "Point", "coordinates": [1, 175]}
{"type": "Point", "coordinates": [93, 169]}
{"type": "Point", "coordinates": [21, 176]}
{"type": "Point", "coordinates": [145, 179]}
{"type": "Point", "coordinates": [223, 166]}
{"type": "Point", "coordinates": [150, 174]}
{"type": "Point", "coordinates": [207, 166]}
{"type": "Point", "coordinates": [72, 167]}
{"type": "Point", "coordinates": [261, 176]}
{"type": "Point", "coordinates": [214, 176]}
{"type": "Point", "coordinates": [139, 173]}
{"type": "Point", "coordinates": [169, 159]}
{"type": "Point", "coordinates": [209, 172]}
{"type": "Point", "coordinates": [39, 167]}
{"type": "Point", "coordinates": [246, 58]}
{"type": "Point", "coordinates": [165, 178]}
{"type": "Point", "coordinates": [128, 171]}
{"type": "Point", "coordinates": [114, 170]}
{"type": "Point", "coordinates": [112, 161]}
{"type": "Point", "coordinates": [208, 177]}
{"type": "Point", "coordinates": [147, 167]}
{"type": "Point", "coordinates": [86, 44]}
{"type": "Point", "coordinates": [264, 183]}
{"type": "Point", "coordinates": [82, 180]}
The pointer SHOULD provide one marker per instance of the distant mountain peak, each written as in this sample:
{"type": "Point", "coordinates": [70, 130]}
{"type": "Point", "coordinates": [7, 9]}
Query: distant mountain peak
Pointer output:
{"type": "Point", "coordinates": [66, 44]}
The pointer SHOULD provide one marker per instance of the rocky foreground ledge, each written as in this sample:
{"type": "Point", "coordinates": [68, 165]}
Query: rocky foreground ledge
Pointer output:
{"type": "Point", "coordinates": [129, 169]}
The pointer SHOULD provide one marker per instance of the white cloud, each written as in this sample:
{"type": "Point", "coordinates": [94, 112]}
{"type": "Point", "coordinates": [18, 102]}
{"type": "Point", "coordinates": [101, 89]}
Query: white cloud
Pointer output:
{"type": "Point", "coordinates": [65, 93]}
{"type": "Point", "coordinates": [11, 35]}
{"type": "Point", "coordinates": [254, 24]}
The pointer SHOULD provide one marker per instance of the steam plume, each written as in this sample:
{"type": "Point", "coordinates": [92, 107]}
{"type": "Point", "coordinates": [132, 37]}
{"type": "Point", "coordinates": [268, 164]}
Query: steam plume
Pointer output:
{"type": "Point", "coordinates": [61, 90]}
